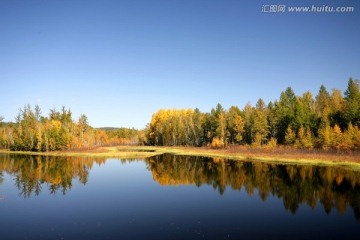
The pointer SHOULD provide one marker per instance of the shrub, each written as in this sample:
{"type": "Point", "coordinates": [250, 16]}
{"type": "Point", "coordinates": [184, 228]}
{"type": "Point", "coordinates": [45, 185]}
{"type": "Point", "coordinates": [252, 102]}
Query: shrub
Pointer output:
{"type": "Point", "coordinates": [217, 143]}
{"type": "Point", "coordinates": [272, 143]}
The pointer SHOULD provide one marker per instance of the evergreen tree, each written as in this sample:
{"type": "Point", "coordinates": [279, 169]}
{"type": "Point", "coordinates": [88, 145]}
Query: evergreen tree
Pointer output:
{"type": "Point", "coordinates": [322, 101]}
{"type": "Point", "coordinates": [285, 113]}
{"type": "Point", "coordinates": [352, 103]}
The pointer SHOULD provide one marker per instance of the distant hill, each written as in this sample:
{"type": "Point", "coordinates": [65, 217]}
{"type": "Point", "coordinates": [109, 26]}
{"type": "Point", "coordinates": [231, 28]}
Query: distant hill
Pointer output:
{"type": "Point", "coordinates": [6, 124]}
{"type": "Point", "coordinates": [108, 128]}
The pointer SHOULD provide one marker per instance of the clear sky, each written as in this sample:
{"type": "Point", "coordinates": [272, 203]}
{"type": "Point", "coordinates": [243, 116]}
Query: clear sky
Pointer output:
{"type": "Point", "coordinates": [120, 61]}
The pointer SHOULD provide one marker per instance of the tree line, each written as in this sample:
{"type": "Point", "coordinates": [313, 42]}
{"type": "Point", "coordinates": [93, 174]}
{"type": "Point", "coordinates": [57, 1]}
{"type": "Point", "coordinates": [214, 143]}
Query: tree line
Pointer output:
{"type": "Point", "coordinates": [330, 120]}
{"type": "Point", "coordinates": [122, 136]}
{"type": "Point", "coordinates": [57, 131]}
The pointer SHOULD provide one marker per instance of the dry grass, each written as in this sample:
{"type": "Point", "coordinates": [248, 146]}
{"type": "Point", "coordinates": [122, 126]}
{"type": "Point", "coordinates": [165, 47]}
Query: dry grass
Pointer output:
{"type": "Point", "coordinates": [103, 152]}
{"type": "Point", "coordinates": [278, 154]}
{"type": "Point", "coordinates": [293, 153]}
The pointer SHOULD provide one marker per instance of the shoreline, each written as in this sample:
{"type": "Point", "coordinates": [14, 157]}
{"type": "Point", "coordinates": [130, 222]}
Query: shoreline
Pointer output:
{"type": "Point", "coordinates": [243, 153]}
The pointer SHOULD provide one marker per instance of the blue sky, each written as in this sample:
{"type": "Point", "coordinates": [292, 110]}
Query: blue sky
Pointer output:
{"type": "Point", "coordinates": [120, 61]}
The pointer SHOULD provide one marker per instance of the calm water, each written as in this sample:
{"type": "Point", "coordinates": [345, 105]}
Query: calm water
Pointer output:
{"type": "Point", "coordinates": [174, 197]}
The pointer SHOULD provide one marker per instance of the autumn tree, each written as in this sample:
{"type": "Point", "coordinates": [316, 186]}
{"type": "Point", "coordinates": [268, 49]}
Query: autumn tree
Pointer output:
{"type": "Point", "coordinates": [83, 126]}
{"type": "Point", "coordinates": [3, 137]}
{"type": "Point", "coordinates": [325, 136]}
{"type": "Point", "coordinates": [238, 128]}
{"type": "Point", "coordinates": [197, 120]}
{"type": "Point", "coordinates": [304, 112]}
{"type": "Point", "coordinates": [271, 115]}
{"type": "Point", "coordinates": [304, 138]}
{"type": "Point", "coordinates": [337, 136]}
{"type": "Point", "coordinates": [34, 132]}
{"type": "Point", "coordinates": [248, 123]}
{"type": "Point", "coordinates": [289, 136]}
{"type": "Point", "coordinates": [261, 126]}
{"type": "Point", "coordinates": [219, 123]}
{"type": "Point", "coordinates": [234, 125]}
{"type": "Point", "coordinates": [337, 105]}
{"type": "Point", "coordinates": [25, 132]}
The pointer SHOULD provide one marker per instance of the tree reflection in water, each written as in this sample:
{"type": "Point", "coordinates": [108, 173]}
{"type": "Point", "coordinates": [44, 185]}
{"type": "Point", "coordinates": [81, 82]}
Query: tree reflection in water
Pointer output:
{"type": "Point", "coordinates": [332, 187]}
{"type": "Point", "coordinates": [32, 172]}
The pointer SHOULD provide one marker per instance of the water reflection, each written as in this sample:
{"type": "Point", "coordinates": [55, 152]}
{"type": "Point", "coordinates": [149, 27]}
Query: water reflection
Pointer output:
{"type": "Point", "coordinates": [32, 172]}
{"type": "Point", "coordinates": [332, 187]}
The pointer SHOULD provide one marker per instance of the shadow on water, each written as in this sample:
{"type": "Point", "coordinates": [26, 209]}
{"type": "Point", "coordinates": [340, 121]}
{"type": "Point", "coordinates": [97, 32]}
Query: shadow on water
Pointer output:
{"type": "Point", "coordinates": [332, 187]}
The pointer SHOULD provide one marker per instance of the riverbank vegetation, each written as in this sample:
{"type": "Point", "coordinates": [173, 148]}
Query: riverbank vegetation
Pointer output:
{"type": "Point", "coordinates": [58, 131]}
{"type": "Point", "coordinates": [328, 121]}
{"type": "Point", "coordinates": [280, 154]}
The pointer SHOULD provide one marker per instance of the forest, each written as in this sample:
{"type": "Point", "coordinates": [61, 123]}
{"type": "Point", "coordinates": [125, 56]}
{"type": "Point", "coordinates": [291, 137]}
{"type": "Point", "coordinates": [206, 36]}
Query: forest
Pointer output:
{"type": "Point", "coordinates": [58, 131]}
{"type": "Point", "coordinates": [330, 120]}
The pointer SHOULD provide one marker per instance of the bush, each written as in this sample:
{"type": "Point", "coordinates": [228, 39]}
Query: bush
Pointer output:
{"type": "Point", "coordinates": [272, 143]}
{"type": "Point", "coordinates": [257, 140]}
{"type": "Point", "coordinates": [217, 143]}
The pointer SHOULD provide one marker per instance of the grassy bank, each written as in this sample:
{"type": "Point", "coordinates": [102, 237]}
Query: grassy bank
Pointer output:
{"type": "Point", "coordinates": [103, 152]}
{"type": "Point", "coordinates": [277, 155]}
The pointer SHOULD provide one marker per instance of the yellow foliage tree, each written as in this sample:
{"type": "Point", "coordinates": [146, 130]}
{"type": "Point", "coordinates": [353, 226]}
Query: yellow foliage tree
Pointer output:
{"type": "Point", "coordinates": [337, 137]}
{"type": "Point", "coordinates": [289, 136]}
{"type": "Point", "coordinates": [257, 140]}
{"type": "Point", "coordinates": [239, 127]}
{"type": "Point", "coordinates": [272, 143]}
{"type": "Point", "coordinates": [325, 136]}
{"type": "Point", "coordinates": [304, 139]}
{"type": "Point", "coordinates": [217, 143]}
